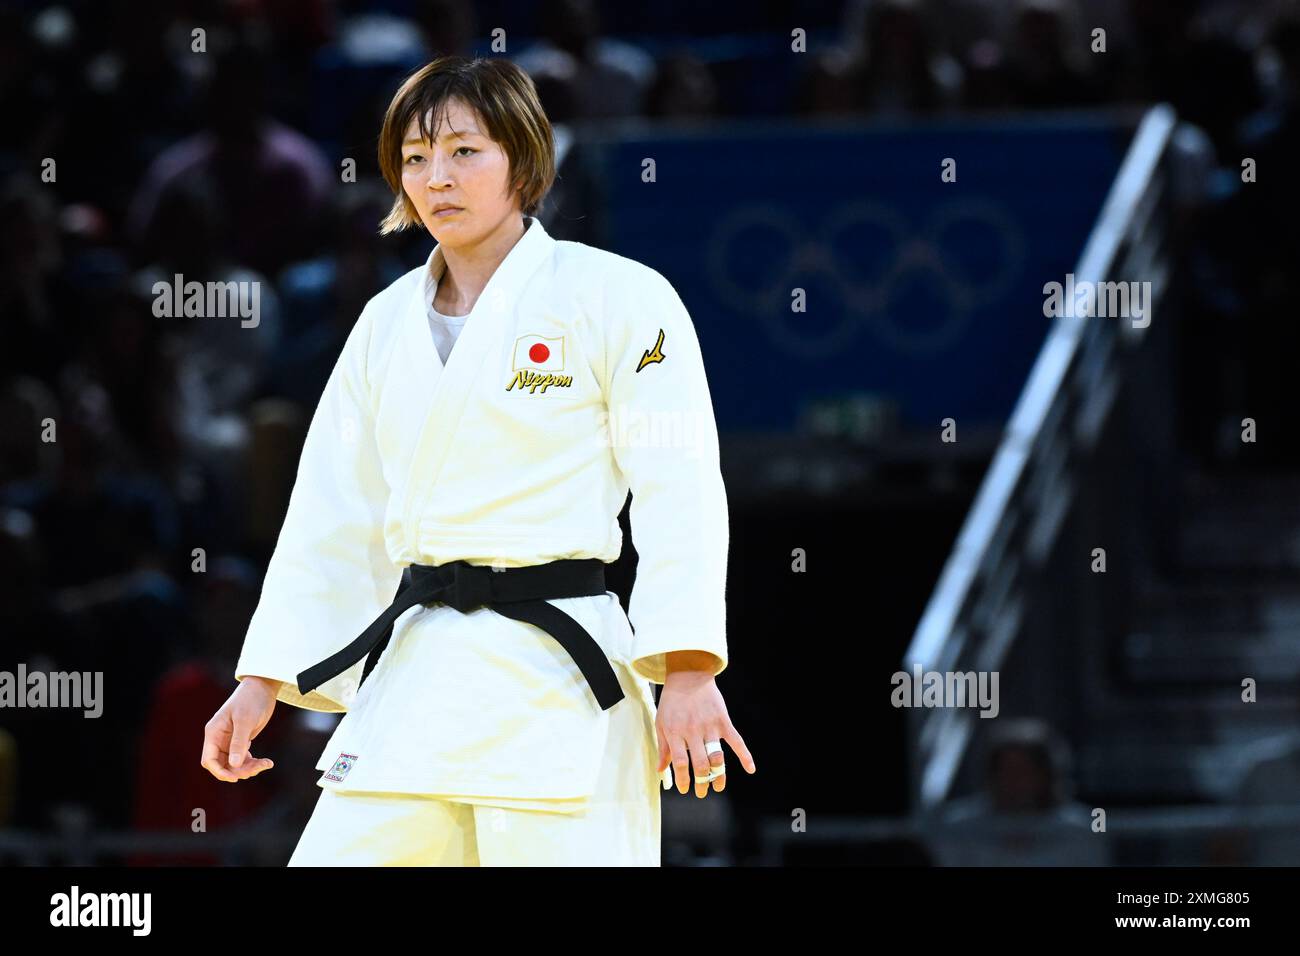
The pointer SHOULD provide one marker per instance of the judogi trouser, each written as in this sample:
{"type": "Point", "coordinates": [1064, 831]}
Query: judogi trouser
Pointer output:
{"type": "Point", "coordinates": [618, 825]}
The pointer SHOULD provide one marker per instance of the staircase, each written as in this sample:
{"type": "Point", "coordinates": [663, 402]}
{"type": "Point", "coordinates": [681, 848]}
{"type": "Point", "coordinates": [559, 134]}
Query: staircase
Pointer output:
{"type": "Point", "coordinates": [1174, 728]}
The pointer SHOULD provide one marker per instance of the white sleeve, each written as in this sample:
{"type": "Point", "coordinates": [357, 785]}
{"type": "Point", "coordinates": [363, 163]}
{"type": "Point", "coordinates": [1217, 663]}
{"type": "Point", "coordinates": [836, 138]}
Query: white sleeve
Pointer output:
{"type": "Point", "coordinates": [330, 574]}
{"type": "Point", "coordinates": [665, 441]}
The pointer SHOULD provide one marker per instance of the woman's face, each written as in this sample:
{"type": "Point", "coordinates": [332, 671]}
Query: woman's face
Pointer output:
{"type": "Point", "coordinates": [463, 168]}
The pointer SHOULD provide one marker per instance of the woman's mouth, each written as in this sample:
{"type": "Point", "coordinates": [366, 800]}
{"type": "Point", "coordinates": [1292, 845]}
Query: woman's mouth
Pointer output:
{"type": "Point", "coordinates": [444, 213]}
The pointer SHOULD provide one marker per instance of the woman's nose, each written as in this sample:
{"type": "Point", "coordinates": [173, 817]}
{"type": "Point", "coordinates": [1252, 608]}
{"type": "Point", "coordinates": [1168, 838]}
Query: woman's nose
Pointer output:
{"type": "Point", "coordinates": [437, 174]}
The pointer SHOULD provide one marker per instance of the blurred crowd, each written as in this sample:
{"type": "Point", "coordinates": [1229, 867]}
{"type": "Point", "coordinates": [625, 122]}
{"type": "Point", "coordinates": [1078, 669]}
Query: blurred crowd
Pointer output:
{"type": "Point", "coordinates": [147, 461]}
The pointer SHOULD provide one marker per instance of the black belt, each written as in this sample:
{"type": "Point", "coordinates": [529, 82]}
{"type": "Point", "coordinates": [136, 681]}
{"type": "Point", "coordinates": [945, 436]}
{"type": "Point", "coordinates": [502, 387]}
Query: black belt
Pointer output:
{"type": "Point", "coordinates": [517, 593]}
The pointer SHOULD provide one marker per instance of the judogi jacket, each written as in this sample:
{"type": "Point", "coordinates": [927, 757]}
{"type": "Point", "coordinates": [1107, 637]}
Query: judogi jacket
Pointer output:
{"type": "Point", "coordinates": [577, 377]}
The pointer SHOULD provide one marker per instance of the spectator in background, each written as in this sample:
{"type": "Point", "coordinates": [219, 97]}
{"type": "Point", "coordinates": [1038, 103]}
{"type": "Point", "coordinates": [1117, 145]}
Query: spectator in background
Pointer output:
{"type": "Point", "coordinates": [579, 73]}
{"type": "Point", "coordinates": [170, 786]}
{"type": "Point", "coordinates": [96, 501]}
{"type": "Point", "coordinates": [449, 26]}
{"type": "Point", "coordinates": [35, 74]}
{"type": "Point", "coordinates": [683, 88]}
{"type": "Point", "coordinates": [24, 404]}
{"type": "Point", "coordinates": [1027, 783]}
{"type": "Point", "coordinates": [352, 78]}
{"type": "Point", "coordinates": [1047, 66]}
{"type": "Point", "coordinates": [892, 63]}
{"type": "Point", "coordinates": [372, 51]}
{"type": "Point", "coordinates": [32, 631]}
{"type": "Point", "coordinates": [987, 81]}
{"type": "Point", "coordinates": [127, 371]}
{"type": "Point", "coordinates": [221, 362]}
{"type": "Point", "coordinates": [136, 87]}
{"type": "Point", "coordinates": [85, 591]}
{"type": "Point", "coordinates": [1197, 64]}
{"type": "Point", "coordinates": [324, 296]}
{"type": "Point", "coordinates": [32, 298]}
{"type": "Point", "coordinates": [1266, 244]}
{"type": "Point", "coordinates": [295, 29]}
{"type": "Point", "coordinates": [272, 183]}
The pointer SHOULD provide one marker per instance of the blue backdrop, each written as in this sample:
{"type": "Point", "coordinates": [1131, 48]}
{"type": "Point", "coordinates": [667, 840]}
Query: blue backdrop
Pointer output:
{"type": "Point", "coordinates": [924, 291]}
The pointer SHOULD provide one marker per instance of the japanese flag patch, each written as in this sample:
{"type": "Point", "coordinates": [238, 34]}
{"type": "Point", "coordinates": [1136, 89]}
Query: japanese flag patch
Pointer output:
{"type": "Point", "coordinates": [341, 767]}
{"type": "Point", "coordinates": [539, 353]}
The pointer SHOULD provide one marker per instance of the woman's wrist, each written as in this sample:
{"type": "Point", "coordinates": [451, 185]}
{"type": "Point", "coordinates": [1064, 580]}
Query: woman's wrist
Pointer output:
{"type": "Point", "coordinates": [270, 683]}
{"type": "Point", "coordinates": [676, 662]}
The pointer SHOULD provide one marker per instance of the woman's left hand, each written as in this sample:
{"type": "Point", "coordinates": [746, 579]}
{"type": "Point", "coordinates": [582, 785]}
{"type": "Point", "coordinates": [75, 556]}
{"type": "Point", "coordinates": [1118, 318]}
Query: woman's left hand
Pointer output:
{"type": "Point", "coordinates": [692, 712]}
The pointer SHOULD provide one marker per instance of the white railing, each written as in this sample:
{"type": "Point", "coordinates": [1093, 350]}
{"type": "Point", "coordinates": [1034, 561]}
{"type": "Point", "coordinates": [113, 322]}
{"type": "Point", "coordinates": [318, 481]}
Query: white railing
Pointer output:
{"type": "Point", "coordinates": [979, 606]}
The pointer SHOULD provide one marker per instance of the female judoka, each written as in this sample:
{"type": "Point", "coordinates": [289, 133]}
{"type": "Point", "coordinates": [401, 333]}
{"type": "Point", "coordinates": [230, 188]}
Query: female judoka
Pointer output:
{"type": "Point", "coordinates": [470, 454]}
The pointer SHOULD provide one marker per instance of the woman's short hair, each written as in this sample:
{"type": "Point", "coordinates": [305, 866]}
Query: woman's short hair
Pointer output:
{"type": "Point", "coordinates": [506, 101]}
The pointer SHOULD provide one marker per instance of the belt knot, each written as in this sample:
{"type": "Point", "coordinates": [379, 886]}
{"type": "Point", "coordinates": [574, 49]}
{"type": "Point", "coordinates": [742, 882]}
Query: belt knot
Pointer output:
{"type": "Point", "coordinates": [457, 584]}
{"type": "Point", "coordinates": [471, 587]}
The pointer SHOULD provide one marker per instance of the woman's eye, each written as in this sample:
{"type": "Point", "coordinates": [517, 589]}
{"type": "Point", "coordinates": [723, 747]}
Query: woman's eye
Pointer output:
{"type": "Point", "coordinates": [409, 159]}
{"type": "Point", "coordinates": [467, 148]}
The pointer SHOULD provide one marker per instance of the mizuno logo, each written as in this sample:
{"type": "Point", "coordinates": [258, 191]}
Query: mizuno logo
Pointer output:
{"type": "Point", "coordinates": [655, 354]}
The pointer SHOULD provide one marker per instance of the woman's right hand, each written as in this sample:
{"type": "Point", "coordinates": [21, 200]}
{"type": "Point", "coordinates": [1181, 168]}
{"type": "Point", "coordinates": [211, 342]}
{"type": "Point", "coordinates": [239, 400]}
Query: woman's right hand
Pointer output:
{"type": "Point", "coordinates": [241, 718]}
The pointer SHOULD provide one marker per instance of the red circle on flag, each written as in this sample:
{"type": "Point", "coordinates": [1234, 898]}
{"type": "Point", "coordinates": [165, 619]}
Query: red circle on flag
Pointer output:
{"type": "Point", "coordinates": [539, 353]}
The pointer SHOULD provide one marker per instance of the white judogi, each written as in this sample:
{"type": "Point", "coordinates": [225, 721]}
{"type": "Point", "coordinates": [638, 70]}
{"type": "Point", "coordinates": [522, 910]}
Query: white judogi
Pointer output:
{"type": "Point", "coordinates": [619, 825]}
{"type": "Point", "coordinates": [577, 376]}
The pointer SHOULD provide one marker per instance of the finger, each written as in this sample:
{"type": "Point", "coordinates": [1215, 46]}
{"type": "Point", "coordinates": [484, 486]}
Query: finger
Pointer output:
{"type": "Point", "coordinates": [251, 767]}
{"type": "Point", "coordinates": [718, 759]}
{"type": "Point", "coordinates": [239, 739]}
{"type": "Point", "coordinates": [255, 765]}
{"type": "Point", "coordinates": [732, 737]}
{"type": "Point", "coordinates": [214, 766]}
{"type": "Point", "coordinates": [664, 754]}
{"type": "Point", "coordinates": [700, 764]}
{"type": "Point", "coordinates": [213, 757]}
{"type": "Point", "coordinates": [681, 768]}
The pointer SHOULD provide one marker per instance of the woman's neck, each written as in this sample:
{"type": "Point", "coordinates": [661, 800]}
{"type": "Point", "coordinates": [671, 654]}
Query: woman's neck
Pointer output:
{"type": "Point", "coordinates": [468, 270]}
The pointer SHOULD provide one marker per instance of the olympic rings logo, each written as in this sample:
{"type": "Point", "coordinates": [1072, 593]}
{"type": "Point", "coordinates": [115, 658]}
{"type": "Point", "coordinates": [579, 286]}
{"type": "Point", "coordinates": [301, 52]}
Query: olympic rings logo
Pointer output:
{"type": "Point", "coordinates": [866, 299]}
